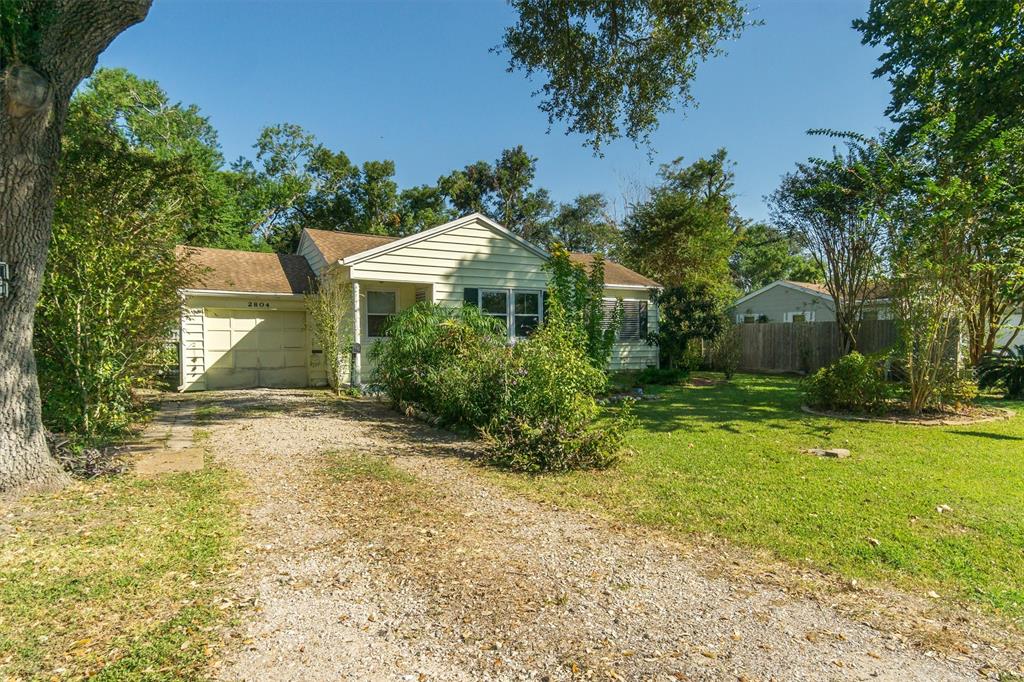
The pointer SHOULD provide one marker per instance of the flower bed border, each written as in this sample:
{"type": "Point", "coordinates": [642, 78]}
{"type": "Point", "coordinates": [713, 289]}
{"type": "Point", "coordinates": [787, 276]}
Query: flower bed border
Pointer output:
{"type": "Point", "coordinates": [1003, 414]}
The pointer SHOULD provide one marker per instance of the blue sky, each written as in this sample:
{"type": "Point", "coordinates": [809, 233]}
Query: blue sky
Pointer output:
{"type": "Point", "coordinates": [415, 82]}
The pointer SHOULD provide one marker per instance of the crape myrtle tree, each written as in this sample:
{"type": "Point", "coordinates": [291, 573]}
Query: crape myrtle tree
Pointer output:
{"type": "Point", "coordinates": [47, 47]}
{"type": "Point", "coordinates": [831, 206]}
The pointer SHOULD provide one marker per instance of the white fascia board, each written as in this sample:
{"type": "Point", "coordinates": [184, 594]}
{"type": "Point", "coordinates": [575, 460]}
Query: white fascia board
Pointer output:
{"type": "Point", "coordinates": [218, 292]}
{"type": "Point", "coordinates": [440, 229]}
{"type": "Point", "coordinates": [638, 287]}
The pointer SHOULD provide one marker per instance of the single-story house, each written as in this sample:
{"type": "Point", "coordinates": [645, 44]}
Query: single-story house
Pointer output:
{"type": "Point", "coordinates": [245, 323]}
{"type": "Point", "coordinates": [789, 301]}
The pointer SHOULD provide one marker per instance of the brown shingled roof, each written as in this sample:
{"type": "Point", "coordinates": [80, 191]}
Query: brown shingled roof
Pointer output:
{"type": "Point", "coordinates": [337, 245]}
{"type": "Point", "coordinates": [245, 271]}
{"type": "Point", "coordinates": [614, 273]}
{"type": "Point", "coordinates": [813, 286]}
{"type": "Point", "coordinates": [875, 291]}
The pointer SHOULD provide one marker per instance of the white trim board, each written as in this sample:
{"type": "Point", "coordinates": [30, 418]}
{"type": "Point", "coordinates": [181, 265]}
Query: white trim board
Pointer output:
{"type": "Point", "coordinates": [221, 292]}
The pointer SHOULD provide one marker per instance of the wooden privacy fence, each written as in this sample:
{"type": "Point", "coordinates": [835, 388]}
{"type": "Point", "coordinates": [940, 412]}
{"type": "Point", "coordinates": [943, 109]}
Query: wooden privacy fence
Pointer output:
{"type": "Point", "coordinates": [805, 346]}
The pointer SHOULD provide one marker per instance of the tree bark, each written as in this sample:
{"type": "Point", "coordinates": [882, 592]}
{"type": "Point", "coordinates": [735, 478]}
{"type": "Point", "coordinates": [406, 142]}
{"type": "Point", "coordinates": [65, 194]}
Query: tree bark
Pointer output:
{"type": "Point", "coordinates": [34, 102]}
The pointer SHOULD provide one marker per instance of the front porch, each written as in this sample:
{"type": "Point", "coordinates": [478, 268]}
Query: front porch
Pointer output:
{"type": "Point", "coordinates": [374, 303]}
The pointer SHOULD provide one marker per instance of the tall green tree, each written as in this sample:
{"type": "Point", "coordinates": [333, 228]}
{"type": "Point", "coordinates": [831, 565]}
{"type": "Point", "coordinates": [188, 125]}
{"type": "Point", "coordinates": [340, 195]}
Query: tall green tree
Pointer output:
{"type": "Point", "coordinates": [296, 182]}
{"type": "Point", "coordinates": [957, 76]}
{"type": "Point", "coordinates": [765, 254]}
{"type": "Point", "coordinates": [942, 58]}
{"type": "Point", "coordinates": [612, 68]}
{"type": "Point", "coordinates": [504, 191]}
{"type": "Point", "coordinates": [586, 225]}
{"type": "Point", "coordinates": [142, 115]}
{"type": "Point", "coordinates": [683, 232]}
{"type": "Point", "coordinates": [47, 47]}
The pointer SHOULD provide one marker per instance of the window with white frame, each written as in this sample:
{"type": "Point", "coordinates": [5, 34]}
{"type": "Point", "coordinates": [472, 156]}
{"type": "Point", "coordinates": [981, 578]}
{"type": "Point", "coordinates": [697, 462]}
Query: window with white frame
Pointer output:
{"type": "Point", "coordinates": [520, 310]}
{"type": "Point", "coordinates": [381, 306]}
{"type": "Point", "coordinates": [494, 303]}
{"type": "Point", "coordinates": [747, 318]}
{"type": "Point", "coordinates": [799, 316]}
{"type": "Point", "coordinates": [526, 312]}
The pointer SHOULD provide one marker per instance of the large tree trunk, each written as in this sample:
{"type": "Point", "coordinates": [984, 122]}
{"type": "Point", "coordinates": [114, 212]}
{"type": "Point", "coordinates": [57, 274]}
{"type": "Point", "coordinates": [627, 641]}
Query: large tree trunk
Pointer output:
{"type": "Point", "coordinates": [33, 107]}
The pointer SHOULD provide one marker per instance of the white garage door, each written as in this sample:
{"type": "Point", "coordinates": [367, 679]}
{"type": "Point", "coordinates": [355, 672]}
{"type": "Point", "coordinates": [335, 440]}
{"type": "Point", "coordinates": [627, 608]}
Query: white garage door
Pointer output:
{"type": "Point", "coordinates": [248, 349]}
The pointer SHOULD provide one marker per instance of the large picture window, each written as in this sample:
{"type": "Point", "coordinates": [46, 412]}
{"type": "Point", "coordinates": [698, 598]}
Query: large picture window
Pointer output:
{"type": "Point", "coordinates": [381, 306]}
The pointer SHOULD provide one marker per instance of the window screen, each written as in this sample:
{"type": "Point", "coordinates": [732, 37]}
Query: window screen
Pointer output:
{"type": "Point", "coordinates": [381, 306]}
{"type": "Point", "coordinates": [633, 325]}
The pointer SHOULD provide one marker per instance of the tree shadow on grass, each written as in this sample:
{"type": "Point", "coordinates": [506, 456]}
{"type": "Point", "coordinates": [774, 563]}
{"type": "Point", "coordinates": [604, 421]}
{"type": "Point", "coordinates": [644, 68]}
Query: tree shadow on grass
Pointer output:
{"type": "Point", "coordinates": [771, 402]}
{"type": "Point", "coordinates": [986, 434]}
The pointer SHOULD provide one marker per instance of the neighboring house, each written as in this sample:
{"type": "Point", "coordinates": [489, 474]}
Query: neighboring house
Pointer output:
{"type": "Point", "coordinates": [246, 324]}
{"type": "Point", "coordinates": [788, 301]}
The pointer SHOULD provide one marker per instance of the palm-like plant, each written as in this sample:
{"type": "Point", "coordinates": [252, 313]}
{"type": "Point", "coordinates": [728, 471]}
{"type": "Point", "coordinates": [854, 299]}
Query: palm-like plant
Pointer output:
{"type": "Point", "coordinates": [1004, 369]}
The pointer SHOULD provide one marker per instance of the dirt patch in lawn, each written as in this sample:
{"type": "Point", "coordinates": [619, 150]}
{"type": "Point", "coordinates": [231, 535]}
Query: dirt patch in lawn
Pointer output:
{"type": "Point", "coordinates": [377, 551]}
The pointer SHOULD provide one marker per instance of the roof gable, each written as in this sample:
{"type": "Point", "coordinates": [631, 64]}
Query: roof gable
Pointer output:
{"type": "Point", "coordinates": [248, 271]}
{"type": "Point", "coordinates": [349, 248]}
{"type": "Point", "coordinates": [477, 218]}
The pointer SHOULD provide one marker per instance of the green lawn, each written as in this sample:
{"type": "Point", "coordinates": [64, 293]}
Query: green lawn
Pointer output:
{"type": "Point", "coordinates": [726, 460]}
{"type": "Point", "coordinates": [116, 579]}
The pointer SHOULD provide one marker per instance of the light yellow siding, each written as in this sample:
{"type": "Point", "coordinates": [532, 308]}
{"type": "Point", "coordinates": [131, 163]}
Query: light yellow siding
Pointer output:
{"type": "Point", "coordinates": [312, 254]}
{"type": "Point", "coordinates": [475, 255]}
{"type": "Point", "coordinates": [634, 354]}
{"type": "Point", "coordinates": [472, 255]}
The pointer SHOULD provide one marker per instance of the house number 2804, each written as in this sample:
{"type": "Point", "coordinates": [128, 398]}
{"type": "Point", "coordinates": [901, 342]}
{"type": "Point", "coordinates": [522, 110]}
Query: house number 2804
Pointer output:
{"type": "Point", "coordinates": [258, 304]}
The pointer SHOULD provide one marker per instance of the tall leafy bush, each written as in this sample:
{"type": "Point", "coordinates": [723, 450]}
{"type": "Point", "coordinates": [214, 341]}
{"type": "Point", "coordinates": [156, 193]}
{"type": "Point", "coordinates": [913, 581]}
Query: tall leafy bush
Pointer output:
{"type": "Point", "coordinates": [330, 308]}
{"type": "Point", "coordinates": [546, 420]}
{"type": "Point", "coordinates": [447, 360]}
{"type": "Point", "coordinates": [533, 402]}
{"type": "Point", "coordinates": [109, 299]}
{"type": "Point", "coordinates": [854, 382]}
{"type": "Point", "coordinates": [579, 294]}
{"type": "Point", "coordinates": [1005, 370]}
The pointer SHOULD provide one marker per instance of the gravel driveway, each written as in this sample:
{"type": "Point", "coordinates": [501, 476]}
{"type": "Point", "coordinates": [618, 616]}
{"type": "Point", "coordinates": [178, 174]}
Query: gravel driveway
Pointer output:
{"type": "Point", "coordinates": [422, 570]}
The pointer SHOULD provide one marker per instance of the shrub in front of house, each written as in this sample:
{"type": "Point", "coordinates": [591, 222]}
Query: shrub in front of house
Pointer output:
{"type": "Point", "coordinates": [1004, 370]}
{"type": "Point", "coordinates": [533, 402]}
{"type": "Point", "coordinates": [448, 361]}
{"type": "Point", "coordinates": [549, 418]}
{"type": "Point", "coordinates": [854, 383]}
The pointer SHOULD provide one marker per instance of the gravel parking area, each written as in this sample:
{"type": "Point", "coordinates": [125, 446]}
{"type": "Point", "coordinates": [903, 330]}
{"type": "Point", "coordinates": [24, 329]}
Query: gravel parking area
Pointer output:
{"type": "Point", "coordinates": [423, 570]}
